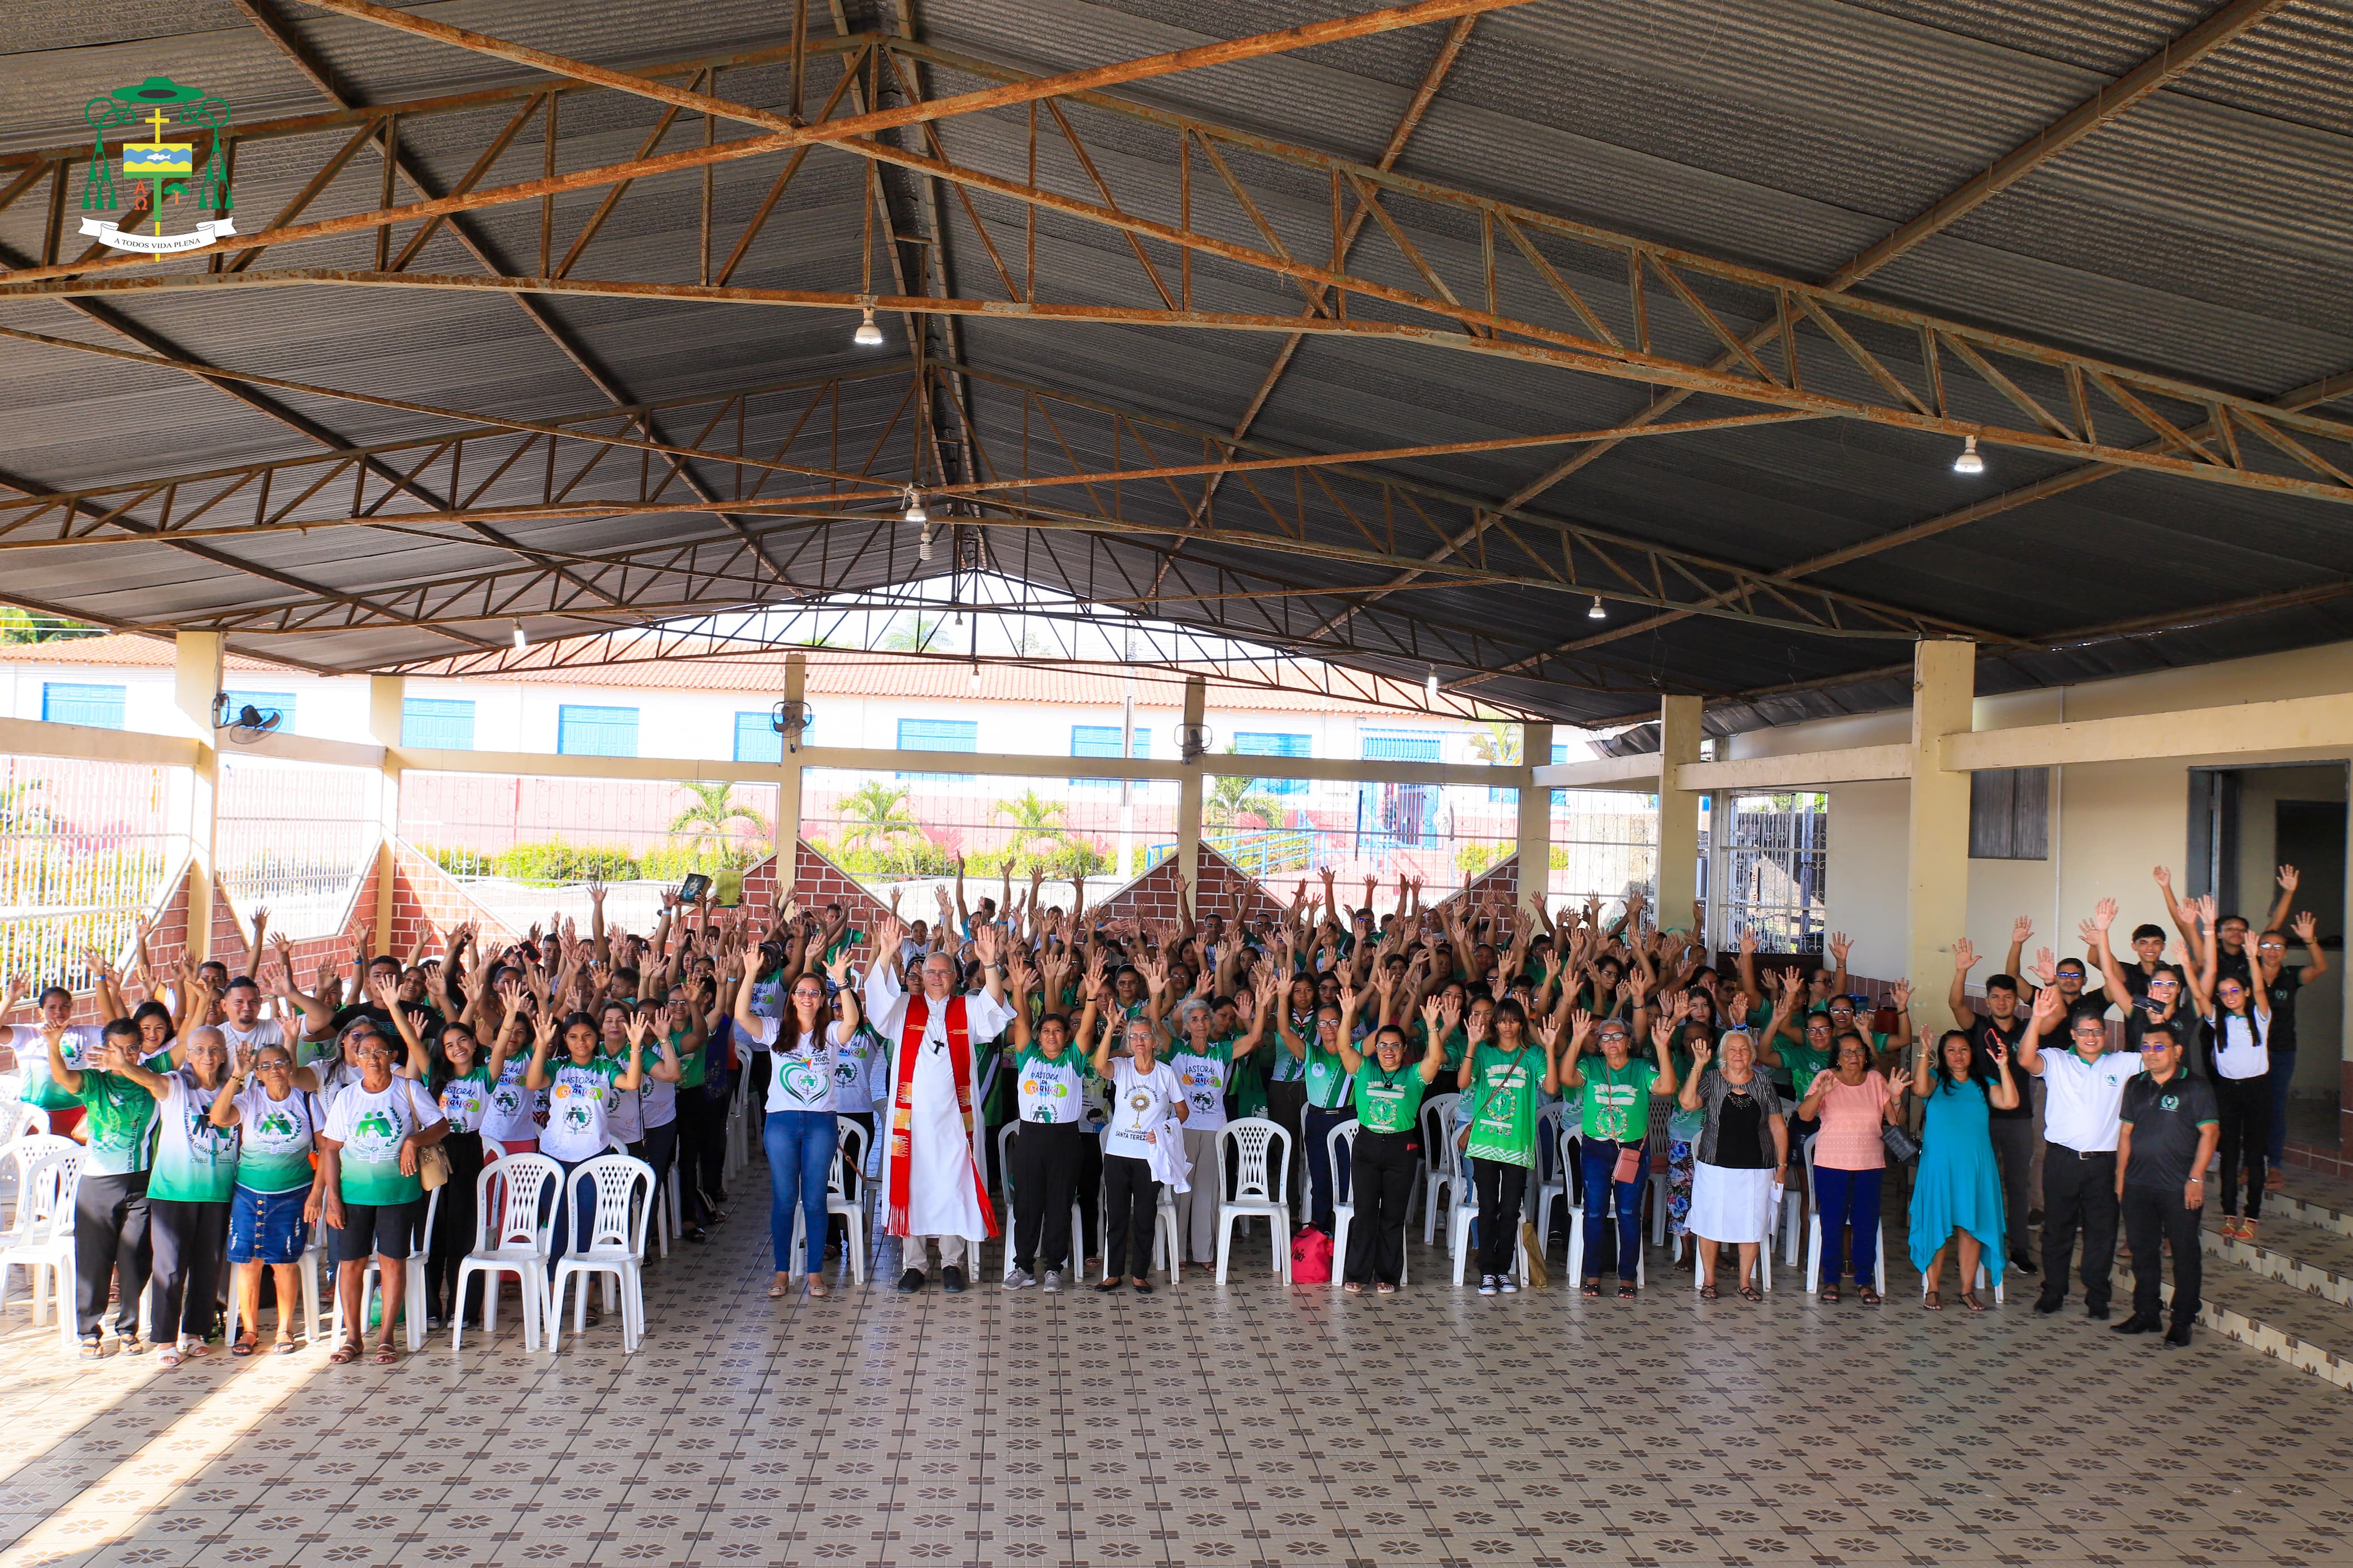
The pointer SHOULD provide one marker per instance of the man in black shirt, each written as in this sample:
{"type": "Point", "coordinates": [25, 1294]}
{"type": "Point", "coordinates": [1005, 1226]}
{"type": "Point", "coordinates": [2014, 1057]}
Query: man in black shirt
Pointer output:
{"type": "Point", "coordinates": [2170, 1125]}
{"type": "Point", "coordinates": [2014, 1141]}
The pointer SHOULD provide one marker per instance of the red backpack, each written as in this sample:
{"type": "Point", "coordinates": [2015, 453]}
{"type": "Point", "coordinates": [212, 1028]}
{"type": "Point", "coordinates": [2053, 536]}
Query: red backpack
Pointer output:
{"type": "Point", "coordinates": [1311, 1256]}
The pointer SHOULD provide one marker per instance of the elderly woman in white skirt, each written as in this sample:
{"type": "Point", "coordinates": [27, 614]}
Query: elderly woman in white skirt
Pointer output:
{"type": "Point", "coordinates": [1743, 1154]}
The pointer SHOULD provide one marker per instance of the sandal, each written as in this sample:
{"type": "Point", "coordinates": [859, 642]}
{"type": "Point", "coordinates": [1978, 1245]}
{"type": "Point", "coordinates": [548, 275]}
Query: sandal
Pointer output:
{"type": "Point", "coordinates": [1354, 1288]}
{"type": "Point", "coordinates": [780, 1287]}
{"type": "Point", "coordinates": [247, 1343]}
{"type": "Point", "coordinates": [93, 1350]}
{"type": "Point", "coordinates": [169, 1357]}
{"type": "Point", "coordinates": [387, 1355]}
{"type": "Point", "coordinates": [1707, 1293]}
{"type": "Point", "coordinates": [1750, 1293]}
{"type": "Point", "coordinates": [1385, 1289]}
{"type": "Point", "coordinates": [1829, 1295]}
{"type": "Point", "coordinates": [1933, 1302]}
{"type": "Point", "coordinates": [1625, 1289]}
{"type": "Point", "coordinates": [1969, 1299]}
{"type": "Point", "coordinates": [345, 1353]}
{"type": "Point", "coordinates": [285, 1347]}
{"type": "Point", "coordinates": [1593, 1288]}
{"type": "Point", "coordinates": [195, 1348]}
{"type": "Point", "coordinates": [1867, 1296]}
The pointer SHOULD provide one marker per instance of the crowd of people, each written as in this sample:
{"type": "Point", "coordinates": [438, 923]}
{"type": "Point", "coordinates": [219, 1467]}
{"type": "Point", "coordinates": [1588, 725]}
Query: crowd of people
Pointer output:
{"type": "Point", "coordinates": [1110, 1060]}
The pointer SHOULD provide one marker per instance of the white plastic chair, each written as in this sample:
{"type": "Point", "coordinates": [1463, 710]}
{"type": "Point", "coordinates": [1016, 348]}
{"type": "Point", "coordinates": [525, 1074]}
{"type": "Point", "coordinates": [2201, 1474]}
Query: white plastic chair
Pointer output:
{"type": "Point", "coordinates": [616, 1237]}
{"type": "Point", "coordinates": [1166, 1250]}
{"type": "Point", "coordinates": [1981, 1283]}
{"type": "Point", "coordinates": [848, 1147]}
{"type": "Point", "coordinates": [1654, 1149]}
{"type": "Point", "coordinates": [511, 1236]}
{"type": "Point", "coordinates": [1572, 1147]}
{"type": "Point", "coordinates": [1465, 1214]}
{"type": "Point", "coordinates": [41, 1242]}
{"type": "Point", "coordinates": [25, 1118]}
{"type": "Point", "coordinates": [1815, 1241]}
{"type": "Point", "coordinates": [18, 1157]}
{"type": "Point", "coordinates": [1440, 1174]}
{"type": "Point", "coordinates": [1260, 1188]}
{"type": "Point", "coordinates": [1005, 1137]}
{"type": "Point", "coordinates": [412, 1305]}
{"type": "Point", "coordinates": [1542, 1194]}
{"type": "Point", "coordinates": [1727, 1253]}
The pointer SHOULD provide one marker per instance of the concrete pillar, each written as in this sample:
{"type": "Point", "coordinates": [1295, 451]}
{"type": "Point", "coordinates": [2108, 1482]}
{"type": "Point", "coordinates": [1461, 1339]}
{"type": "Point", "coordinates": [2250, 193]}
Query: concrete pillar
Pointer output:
{"type": "Point", "coordinates": [1679, 738]}
{"type": "Point", "coordinates": [196, 686]}
{"type": "Point", "coordinates": [1188, 797]}
{"type": "Point", "coordinates": [1937, 894]}
{"type": "Point", "coordinates": [788, 825]}
{"type": "Point", "coordinates": [385, 696]}
{"type": "Point", "coordinates": [1536, 820]}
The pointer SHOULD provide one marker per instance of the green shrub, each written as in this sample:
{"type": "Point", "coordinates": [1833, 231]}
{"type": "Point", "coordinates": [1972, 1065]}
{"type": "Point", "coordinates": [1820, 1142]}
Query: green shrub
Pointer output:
{"type": "Point", "coordinates": [552, 860]}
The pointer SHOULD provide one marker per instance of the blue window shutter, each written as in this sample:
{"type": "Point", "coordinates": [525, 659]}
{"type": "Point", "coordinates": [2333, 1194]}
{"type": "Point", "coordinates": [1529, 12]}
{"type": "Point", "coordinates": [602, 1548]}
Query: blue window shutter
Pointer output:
{"type": "Point", "coordinates": [938, 735]}
{"type": "Point", "coordinates": [436, 723]}
{"type": "Point", "coordinates": [597, 732]}
{"type": "Point", "coordinates": [100, 707]}
{"type": "Point", "coordinates": [1405, 747]}
{"type": "Point", "coordinates": [263, 703]}
{"type": "Point", "coordinates": [757, 740]}
{"type": "Point", "coordinates": [1262, 744]}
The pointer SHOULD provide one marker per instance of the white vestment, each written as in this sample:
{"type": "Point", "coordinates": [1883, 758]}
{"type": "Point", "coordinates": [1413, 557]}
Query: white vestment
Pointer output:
{"type": "Point", "coordinates": [943, 1195]}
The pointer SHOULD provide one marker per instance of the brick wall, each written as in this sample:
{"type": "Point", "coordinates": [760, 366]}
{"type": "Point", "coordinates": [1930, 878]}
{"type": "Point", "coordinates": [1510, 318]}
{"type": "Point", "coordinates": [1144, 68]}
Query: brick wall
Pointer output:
{"type": "Point", "coordinates": [816, 882]}
{"type": "Point", "coordinates": [1157, 894]}
{"type": "Point", "coordinates": [426, 902]}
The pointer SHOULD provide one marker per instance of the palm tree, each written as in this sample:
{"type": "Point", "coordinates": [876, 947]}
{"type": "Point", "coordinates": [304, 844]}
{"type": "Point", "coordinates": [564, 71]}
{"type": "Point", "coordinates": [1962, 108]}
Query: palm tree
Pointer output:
{"type": "Point", "coordinates": [1231, 797]}
{"type": "Point", "coordinates": [1497, 743]}
{"type": "Point", "coordinates": [704, 823]}
{"type": "Point", "coordinates": [1035, 820]}
{"type": "Point", "coordinates": [914, 636]}
{"type": "Point", "coordinates": [874, 815]}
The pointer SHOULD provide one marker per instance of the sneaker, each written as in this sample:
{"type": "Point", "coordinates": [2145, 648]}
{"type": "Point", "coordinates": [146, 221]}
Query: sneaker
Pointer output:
{"type": "Point", "coordinates": [1487, 1284]}
{"type": "Point", "coordinates": [1019, 1279]}
{"type": "Point", "coordinates": [1053, 1283]}
{"type": "Point", "coordinates": [1507, 1284]}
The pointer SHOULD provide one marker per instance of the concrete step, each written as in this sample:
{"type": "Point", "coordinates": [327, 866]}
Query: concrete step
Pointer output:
{"type": "Point", "coordinates": [2310, 1198]}
{"type": "Point", "coordinates": [2311, 1257]}
{"type": "Point", "coordinates": [2302, 1328]}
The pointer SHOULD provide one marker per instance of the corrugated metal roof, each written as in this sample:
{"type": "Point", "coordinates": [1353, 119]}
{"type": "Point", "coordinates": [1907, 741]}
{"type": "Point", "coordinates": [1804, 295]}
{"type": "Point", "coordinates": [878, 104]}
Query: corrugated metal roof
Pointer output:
{"type": "Point", "coordinates": [2203, 234]}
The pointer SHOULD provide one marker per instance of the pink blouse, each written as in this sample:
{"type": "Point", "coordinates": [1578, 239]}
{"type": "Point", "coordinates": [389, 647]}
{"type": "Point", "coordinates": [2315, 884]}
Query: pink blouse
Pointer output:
{"type": "Point", "coordinates": [1852, 1116]}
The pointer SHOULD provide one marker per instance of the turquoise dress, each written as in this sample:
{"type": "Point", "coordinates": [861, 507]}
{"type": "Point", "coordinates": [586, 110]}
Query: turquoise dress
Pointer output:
{"type": "Point", "coordinates": [1958, 1186]}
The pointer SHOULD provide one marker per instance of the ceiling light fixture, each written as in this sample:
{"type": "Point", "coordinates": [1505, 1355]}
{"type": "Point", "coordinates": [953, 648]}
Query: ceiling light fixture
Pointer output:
{"type": "Point", "coordinates": [1597, 613]}
{"type": "Point", "coordinates": [1430, 687]}
{"type": "Point", "coordinates": [868, 335]}
{"type": "Point", "coordinates": [521, 641]}
{"type": "Point", "coordinates": [1969, 462]}
{"type": "Point", "coordinates": [915, 512]}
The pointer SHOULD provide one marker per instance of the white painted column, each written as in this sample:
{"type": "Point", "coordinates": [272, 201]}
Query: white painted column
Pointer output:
{"type": "Point", "coordinates": [1536, 820]}
{"type": "Point", "coordinates": [1679, 739]}
{"type": "Point", "coordinates": [788, 825]}
{"type": "Point", "coordinates": [196, 687]}
{"type": "Point", "coordinates": [386, 694]}
{"type": "Point", "coordinates": [1936, 891]}
{"type": "Point", "coordinates": [1188, 797]}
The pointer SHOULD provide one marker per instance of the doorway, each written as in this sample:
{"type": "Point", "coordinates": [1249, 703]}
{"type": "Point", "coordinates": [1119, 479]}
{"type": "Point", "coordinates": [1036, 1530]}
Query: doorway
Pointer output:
{"type": "Point", "coordinates": [2246, 823]}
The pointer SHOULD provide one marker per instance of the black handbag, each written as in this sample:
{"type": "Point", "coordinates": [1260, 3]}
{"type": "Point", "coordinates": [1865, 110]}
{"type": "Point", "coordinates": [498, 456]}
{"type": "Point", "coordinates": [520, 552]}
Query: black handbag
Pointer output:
{"type": "Point", "coordinates": [1901, 1147]}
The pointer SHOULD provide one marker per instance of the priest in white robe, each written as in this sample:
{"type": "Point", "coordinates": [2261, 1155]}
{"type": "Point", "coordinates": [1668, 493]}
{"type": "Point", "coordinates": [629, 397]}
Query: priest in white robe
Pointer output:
{"type": "Point", "coordinates": [935, 1186]}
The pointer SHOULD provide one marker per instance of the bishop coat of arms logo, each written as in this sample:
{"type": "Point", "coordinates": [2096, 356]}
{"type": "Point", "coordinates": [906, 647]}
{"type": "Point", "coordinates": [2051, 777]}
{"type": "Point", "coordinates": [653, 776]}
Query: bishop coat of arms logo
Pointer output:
{"type": "Point", "coordinates": [169, 169]}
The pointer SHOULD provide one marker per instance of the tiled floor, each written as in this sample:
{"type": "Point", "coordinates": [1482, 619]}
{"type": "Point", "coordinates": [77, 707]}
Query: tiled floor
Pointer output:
{"type": "Point", "coordinates": [1248, 1425]}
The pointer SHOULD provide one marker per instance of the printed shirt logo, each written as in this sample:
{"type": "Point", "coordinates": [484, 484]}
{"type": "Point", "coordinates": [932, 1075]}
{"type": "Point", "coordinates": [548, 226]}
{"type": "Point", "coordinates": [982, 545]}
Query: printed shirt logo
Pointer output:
{"type": "Point", "coordinates": [2170, 1102]}
{"type": "Point", "coordinates": [169, 171]}
{"type": "Point", "coordinates": [375, 1136]}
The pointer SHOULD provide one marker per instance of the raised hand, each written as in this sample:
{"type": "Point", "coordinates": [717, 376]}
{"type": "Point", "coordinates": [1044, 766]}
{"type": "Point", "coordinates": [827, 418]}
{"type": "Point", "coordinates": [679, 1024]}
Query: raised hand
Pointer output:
{"type": "Point", "coordinates": [2306, 927]}
{"type": "Point", "coordinates": [2045, 970]}
{"type": "Point", "coordinates": [1841, 944]}
{"type": "Point", "coordinates": [2288, 879]}
{"type": "Point", "coordinates": [2049, 1008]}
{"type": "Point", "coordinates": [2022, 930]}
{"type": "Point", "coordinates": [1965, 956]}
{"type": "Point", "coordinates": [1901, 994]}
{"type": "Point", "coordinates": [2164, 877]}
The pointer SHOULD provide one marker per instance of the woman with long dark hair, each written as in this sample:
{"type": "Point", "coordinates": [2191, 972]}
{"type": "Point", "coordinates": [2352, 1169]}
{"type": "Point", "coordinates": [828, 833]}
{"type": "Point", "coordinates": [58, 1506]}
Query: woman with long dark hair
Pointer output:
{"type": "Point", "coordinates": [1499, 1080]}
{"type": "Point", "coordinates": [580, 1084]}
{"type": "Point", "coordinates": [2235, 1050]}
{"type": "Point", "coordinates": [1957, 1197]}
{"type": "Point", "coordinates": [459, 1078]}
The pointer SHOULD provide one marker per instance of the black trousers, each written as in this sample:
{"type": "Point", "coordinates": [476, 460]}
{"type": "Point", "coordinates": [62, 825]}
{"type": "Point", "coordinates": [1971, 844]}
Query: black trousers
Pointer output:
{"type": "Point", "coordinates": [1045, 1160]}
{"type": "Point", "coordinates": [2079, 1192]}
{"type": "Point", "coordinates": [2246, 1106]}
{"type": "Point", "coordinates": [187, 1240]}
{"type": "Point", "coordinates": [701, 1151]}
{"type": "Point", "coordinates": [455, 1220]}
{"type": "Point", "coordinates": [2013, 1156]}
{"type": "Point", "coordinates": [2153, 1217]}
{"type": "Point", "coordinates": [1501, 1187]}
{"type": "Point", "coordinates": [661, 1153]}
{"type": "Point", "coordinates": [1382, 1176]}
{"type": "Point", "coordinates": [109, 1238]}
{"type": "Point", "coordinates": [1286, 1107]}
{"type": "Point", "coordinates": [1132, 1209]}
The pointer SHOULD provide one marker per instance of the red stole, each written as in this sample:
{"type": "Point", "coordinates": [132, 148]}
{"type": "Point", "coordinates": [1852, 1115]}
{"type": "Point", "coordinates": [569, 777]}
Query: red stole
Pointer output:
{"type": "Point", "coordinates": [900, 1173]}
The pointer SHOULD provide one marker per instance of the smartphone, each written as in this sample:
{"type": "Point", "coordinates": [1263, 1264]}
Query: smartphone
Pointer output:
{"type": "Point", "coordinates": [690, 891]}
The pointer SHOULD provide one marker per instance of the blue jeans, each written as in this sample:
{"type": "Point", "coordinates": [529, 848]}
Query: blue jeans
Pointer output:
{"type": "Point", "coordinates": [1844, 1198]}
{"type": "Point", "coordinates": [800, 1156]}
{"type": "Point", "coordinates": [1598, 1159]}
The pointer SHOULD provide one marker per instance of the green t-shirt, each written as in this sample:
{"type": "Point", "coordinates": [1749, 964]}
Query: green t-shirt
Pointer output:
{"type": "Point", "coordinates": [1202, 1076]}
{"type": "Point", "coordinates": [371, 1128]}
{"type": "Point", "coordinates": [275, 1138]}
{"type": "Point", "coordinates": [1501, 1108]}
{"type": "Point", "coordinates": [1246, 1079]}
{"type": "Point", "coordinates": [1052, 1089]}
{"type": "Point", "coordinates": [120, 1120]}
{"type": "Point", "coordinates": [1801, 1063]}
{"type": "Point", "coordinates": [1388, 1102]}
{"type": "Point", "coordinates": [1617, 1100]}
{"type": "Point", "coordinates": [1327, 1078]}
{"type": "Point", "coordinates": [692, 1064]}
{"type": "Point", "coordinates": [195, 1161]}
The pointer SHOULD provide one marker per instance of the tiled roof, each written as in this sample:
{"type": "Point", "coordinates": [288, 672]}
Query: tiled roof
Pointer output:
{"type": "Point", "coordinates": [121, 650]}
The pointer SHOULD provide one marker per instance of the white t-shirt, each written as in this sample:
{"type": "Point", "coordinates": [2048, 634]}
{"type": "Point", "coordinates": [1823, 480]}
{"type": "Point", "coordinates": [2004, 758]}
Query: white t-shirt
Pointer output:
{"type": "Point", "coordinates": [265, 1032]}
{"type": "Point", "coordinates": [509, 1119]}
{"type": "Point", "coordinates": [2082, 1099]}
{"type": "Point", "coordinates": [371, 1128]}
{"type": "Point", "coordinates": [1052, 1089]}
{"type": "Point", "coordinates": [274, 1138]}
{"type": "Point", "coordinates": [1140, 1102]}
{"type": "Point", "coordinates": [2241, 1049]}
{"type": "Point", "coordinates": [34, 1085]}
{"type": "Point", "coordinates": [624, 1113]}
{"type": "Point", "coordinates": [580, 1104]}
{"type": "Point", "coordinates": [860, 1064]}
{"type": "Point", "coordinates": [800, 1076]}
{"type": "Point", "coordinates": [1203, 1080]}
